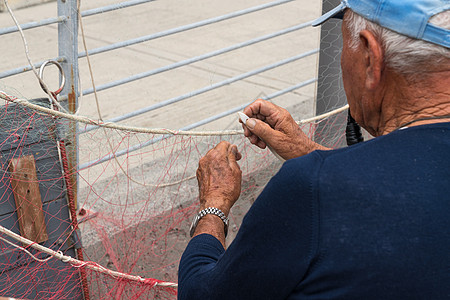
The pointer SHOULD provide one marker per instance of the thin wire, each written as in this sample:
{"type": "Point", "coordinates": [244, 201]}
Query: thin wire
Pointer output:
{"type": "Point", "coordinates": [59, 255]}
{"type": "Point", "coordinates": [91, 73]}
{"type": "Point", "coordinates": [26, 251]}
{"type": "Point", "coordinates": [27, 54]}
{"type": "Point", "coordinates": [424, 119]}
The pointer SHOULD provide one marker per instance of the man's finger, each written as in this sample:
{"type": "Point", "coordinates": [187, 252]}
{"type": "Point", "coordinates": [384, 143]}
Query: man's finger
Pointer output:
{"type": "Point", "coordinates": [260, 129]}
{"type": "Point", "coordinates": [233, 154]}
{"type": "Point", "coordinates": [221, 149]}
{"type": "Point", "coordinates": [247, 132]}
{"type": "Point", "coordinates": [261, 144]}
{"type": "Point", "coordinates": [260, 109]}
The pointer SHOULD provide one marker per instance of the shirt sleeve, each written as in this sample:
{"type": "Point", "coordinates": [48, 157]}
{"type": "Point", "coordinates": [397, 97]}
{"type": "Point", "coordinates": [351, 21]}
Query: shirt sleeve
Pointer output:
{"type": "Point", "coordinates": [274, 246]}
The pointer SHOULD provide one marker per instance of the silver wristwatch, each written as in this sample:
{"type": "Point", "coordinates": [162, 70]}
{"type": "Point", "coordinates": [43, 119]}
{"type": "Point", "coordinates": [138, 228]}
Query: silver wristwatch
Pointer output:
{"type": "Point", "coordinates": [204, 212]}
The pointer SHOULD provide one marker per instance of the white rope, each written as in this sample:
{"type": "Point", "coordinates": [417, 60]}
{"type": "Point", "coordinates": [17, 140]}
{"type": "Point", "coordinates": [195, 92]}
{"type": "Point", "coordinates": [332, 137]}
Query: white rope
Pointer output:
{"type": "Point", "coordinates": [86, 120]}
{"type": "Point", "coordinates": [323, 116]}
{"type": "Point", "coordinates": [77, 263]}
{"type": "Point", "coordinates": [89, 121]}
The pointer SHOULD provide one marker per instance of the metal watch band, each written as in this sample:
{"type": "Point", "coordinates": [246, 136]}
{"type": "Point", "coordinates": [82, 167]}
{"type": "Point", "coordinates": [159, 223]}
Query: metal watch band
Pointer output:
{"type": "Point", "coordinates": [204, 212]}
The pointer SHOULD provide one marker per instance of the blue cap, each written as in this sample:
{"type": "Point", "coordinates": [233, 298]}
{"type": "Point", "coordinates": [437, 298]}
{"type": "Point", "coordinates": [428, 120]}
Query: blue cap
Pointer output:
{"type": "Point", "coordinates": [407, 17]}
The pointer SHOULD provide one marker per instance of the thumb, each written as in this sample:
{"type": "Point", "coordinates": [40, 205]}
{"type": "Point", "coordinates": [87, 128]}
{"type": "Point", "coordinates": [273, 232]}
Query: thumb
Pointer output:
{"type": "Point", "coordinates": [260, 128]}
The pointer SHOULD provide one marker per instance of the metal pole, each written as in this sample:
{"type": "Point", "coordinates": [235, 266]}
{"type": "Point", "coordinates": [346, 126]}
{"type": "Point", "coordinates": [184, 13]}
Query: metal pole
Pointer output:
{"type": "Point", "coordinates": [203, 90]}
{"type": "Point", "coordinates": [330, 89]}
{"type": "Point", "coordinates": [181, 28]}
{"type": "Point", "coordinates": [31, 25]}
{"type": "Point", "coordinates": [192, 59]}
{"type": "Point", "coordinates": [68, 48]}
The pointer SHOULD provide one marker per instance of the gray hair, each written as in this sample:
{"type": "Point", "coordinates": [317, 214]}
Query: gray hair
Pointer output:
{"type": "Point", "coordinates": [403, 54]}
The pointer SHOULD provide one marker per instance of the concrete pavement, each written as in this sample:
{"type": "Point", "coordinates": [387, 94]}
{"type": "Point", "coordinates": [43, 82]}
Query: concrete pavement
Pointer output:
{"type": "Point", "coordinates": [156, 16]}
{"type": "Point", "coordinates": [96, 189]}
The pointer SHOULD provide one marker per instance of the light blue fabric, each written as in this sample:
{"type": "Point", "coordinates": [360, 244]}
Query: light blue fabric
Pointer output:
{"type": "Point", "coordinates": [407, 17]}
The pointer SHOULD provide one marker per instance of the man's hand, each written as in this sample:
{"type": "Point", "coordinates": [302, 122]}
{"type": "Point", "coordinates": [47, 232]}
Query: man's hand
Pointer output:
{"type": "Point", "coordinates": [219, 177]}
{"type": "Point", "coordinates": [273, 126]}
{"type": "Point", "coordinates": [219, 182]}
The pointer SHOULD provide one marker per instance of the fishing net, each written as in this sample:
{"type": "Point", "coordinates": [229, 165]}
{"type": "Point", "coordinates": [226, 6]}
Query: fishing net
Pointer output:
{"type": "Point", "coordinates": [111, 203]}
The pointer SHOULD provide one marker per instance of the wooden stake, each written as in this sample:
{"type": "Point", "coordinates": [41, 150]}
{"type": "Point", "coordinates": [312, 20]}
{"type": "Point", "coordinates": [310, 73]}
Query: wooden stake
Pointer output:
{"type": "Point", "coordinates": [28, 198]}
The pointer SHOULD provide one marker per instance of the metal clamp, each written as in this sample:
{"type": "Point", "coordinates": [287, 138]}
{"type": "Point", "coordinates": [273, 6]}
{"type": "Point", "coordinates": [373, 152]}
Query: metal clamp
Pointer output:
{"type": "Point", "coordinates": [41, 76]}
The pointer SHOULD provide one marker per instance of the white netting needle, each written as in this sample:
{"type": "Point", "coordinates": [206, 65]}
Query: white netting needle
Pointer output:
{"type": "Point", "coordinates": [244, 118]}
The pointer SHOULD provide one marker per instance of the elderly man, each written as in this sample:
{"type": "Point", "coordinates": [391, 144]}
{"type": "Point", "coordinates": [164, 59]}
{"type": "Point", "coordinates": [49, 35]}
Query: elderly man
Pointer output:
{"type": "Point", "coordinates": [371, 221]}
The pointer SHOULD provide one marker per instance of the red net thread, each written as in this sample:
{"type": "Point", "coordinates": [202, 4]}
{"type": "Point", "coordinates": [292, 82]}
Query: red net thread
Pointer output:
{"type": "Point", "coordinates": [134, 210]}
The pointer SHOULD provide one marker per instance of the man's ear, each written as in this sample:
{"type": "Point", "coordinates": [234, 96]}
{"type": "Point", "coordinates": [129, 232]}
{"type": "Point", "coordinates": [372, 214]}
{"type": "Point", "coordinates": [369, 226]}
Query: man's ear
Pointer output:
{"type": "Point", "coordinates": [374, 59]}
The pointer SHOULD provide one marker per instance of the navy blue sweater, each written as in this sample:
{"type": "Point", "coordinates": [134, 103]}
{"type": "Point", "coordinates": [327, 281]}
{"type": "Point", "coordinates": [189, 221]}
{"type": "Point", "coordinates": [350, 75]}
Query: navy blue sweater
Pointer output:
{"type": "Point", "coordinates": [371, 221]}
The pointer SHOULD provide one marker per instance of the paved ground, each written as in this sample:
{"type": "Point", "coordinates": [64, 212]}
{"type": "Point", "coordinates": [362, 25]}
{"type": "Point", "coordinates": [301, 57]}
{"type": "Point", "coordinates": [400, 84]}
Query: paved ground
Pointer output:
{"type": "Point", "coordinates": [160, 15]}
{"type": "Point", "coordinates": [154, 17]}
